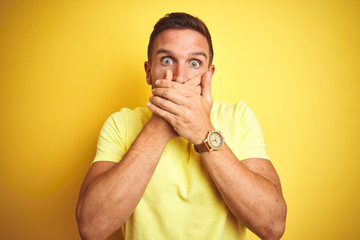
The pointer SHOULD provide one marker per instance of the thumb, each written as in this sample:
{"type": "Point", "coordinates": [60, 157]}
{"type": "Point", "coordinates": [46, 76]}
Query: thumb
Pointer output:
{"type": "Point", "coordinates": [169, 75]}
{"type": "Point", "coordinates": [206, 87]}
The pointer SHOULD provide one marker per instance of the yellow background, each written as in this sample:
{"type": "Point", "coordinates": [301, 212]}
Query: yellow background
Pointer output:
{"type": "Point", "coordinates": [65, 66]}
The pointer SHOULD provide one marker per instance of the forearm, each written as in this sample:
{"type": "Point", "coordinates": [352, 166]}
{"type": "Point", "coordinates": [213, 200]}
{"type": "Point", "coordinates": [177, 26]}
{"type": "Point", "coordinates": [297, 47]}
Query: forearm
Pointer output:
{"type": "Point", "coordinates": [254, 199]}
{"type": "Point", "coordinates": [251, 193]}
{"type": "Point", "coordinates": [109, 199]}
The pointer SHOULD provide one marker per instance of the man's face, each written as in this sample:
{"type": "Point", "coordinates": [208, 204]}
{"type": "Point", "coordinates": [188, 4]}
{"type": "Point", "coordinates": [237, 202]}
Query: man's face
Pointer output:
{"type": "Point", "coordinates": [185, 52]}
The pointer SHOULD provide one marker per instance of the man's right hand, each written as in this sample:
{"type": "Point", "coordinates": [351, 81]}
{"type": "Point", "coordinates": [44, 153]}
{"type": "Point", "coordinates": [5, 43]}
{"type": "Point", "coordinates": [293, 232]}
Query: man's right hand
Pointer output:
{"type": "Point", "coordinates": [157, 122]}
{"type": "Point", "coordinates": [183, 107]}
{"type": "Point", "coordinates": [194, 83]}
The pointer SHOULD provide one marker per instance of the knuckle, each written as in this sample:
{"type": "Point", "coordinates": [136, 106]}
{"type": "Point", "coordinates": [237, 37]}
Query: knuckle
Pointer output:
{"type": "Point", "coordinates": [192, 105]}
{"type": "Point", "coordinates": [178, 122]}
{"type": "Point", "coordinates": [164, 115]}
{"type": "Point", "coordinates": [169, 93]}
{"type": "Point", "coordinates": [154, 99]}
{"type": "Point", "coordinates": [159, 111]}
{"type": "Point", "coordinates": [187, 113]}
{"type": "Point", "coordinates": [155, 91]}
{"type": "Point", "coordinates": [166, 93]}
{"type": "Point", "coordinates": [176, 85]}
{"type": "Point", "coordinates": [164, 103]}
{"type": "Point", "coordinates": [170, 84]}
{"type": "Point", "coordinates": [164, 83]}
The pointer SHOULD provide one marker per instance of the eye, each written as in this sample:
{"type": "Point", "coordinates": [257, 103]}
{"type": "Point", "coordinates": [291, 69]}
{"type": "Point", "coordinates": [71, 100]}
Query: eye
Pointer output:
{"type": "Point", "coordinates": [167, 61]}
{"type": "Point", "coordinates": [195, 63]}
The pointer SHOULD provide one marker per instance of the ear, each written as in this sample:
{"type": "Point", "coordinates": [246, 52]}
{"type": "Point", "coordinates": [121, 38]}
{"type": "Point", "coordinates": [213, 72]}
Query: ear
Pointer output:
{"type": "Point", "coordinates": [211, 70]}
{"type": "Point", "coordinates": [148, 72]}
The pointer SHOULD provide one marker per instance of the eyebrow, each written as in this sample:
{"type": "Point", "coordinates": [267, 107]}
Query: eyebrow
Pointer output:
{"type": "Point", "coordinates": [161, 50]}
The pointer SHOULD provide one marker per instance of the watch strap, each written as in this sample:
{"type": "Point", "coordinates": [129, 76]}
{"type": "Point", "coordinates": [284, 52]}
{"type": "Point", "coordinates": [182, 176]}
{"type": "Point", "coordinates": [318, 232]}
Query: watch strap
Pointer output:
{"type": "Point", "coordinates": [202, 147]}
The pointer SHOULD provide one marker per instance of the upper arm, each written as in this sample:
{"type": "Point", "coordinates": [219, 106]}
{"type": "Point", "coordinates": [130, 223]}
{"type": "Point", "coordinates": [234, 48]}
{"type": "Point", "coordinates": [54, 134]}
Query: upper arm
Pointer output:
{"type": "Point", "coordinates": [111, 145]}
{"type": "Point", "coordinates": [264, 168]}
{"type": "Point", "coordinates": [95, 170]}
{"type": "Point", "coordinates": [249, 135]}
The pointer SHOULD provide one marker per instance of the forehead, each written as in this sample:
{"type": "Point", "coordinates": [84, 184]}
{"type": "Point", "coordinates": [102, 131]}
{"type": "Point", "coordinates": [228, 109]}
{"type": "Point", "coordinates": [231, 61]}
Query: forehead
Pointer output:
{"type": "Point", "coordinates": [181, 41]}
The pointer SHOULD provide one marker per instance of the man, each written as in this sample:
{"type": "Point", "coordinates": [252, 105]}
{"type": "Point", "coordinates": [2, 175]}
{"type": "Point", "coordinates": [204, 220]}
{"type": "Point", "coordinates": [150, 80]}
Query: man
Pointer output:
{"type": "Point", "coordinates": [184, 168]}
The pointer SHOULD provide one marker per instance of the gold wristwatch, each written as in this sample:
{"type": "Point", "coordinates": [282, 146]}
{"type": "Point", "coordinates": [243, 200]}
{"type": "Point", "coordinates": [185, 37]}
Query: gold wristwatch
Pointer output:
{"type": "Point", "coordinates": [214, 141]}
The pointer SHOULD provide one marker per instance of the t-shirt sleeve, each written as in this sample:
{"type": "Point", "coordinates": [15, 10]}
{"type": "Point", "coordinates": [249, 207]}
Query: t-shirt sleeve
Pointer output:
{"type": "Point", "coordinates": [252, 143]}
{"type": "Point", "coordinates": [111, 145]}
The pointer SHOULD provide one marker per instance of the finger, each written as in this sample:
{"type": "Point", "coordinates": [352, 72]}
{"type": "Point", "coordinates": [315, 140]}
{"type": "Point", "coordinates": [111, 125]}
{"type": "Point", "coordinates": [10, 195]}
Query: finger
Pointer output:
{"type": "Point", "coordinates": [193, 82]}
{"type": "Point", "coordinates": [169, 117]}
{"type": "Point", "coordinates": [198, 89]}
{"type": "Point", "coordinates": [161, 83]}
{"type": "Point", "coordinates": [165, 105]}
{"type": "Point", "coordinates": [190, 87]}
{"type": "Point", "coordinates": [169, 75]}
{"type": "Point", "coordinates": [167, 81]}
{"type": "Point", "coordinates": [206, 86]}
{"type": "Point", "coordinates": [170, 94]}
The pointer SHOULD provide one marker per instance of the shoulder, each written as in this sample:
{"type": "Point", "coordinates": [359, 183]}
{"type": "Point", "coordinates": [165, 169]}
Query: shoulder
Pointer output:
{"type": "Point", "coordinates": [127, 116]}
{"type": "Point", "coordinates": [125, 123]}
{"type": "Point", "coordinates": [226, 107]}
{"type": "Point", "coordinates": [241, 129]}
{"type": "Point", "coordinates": [138, 112]}
{"type": "Point", "coordinates": [118, 133]}
{"type": "Point", "coordinates": [235, 111]}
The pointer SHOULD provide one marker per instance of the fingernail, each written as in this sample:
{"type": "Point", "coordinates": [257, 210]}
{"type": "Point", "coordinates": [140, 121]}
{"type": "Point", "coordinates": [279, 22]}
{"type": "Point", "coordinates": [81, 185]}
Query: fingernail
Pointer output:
{"type": "Point", "coordinates": [157, 82]}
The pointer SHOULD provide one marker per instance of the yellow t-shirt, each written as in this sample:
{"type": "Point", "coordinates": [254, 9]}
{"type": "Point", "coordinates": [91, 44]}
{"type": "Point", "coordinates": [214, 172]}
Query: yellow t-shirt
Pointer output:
{"type": "Point", "coordinates": [181, 201]}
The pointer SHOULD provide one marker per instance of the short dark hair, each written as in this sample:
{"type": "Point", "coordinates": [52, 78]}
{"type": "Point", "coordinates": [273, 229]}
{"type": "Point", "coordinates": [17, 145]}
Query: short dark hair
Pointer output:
{"type": "Point", "coordinates": [179, 20]}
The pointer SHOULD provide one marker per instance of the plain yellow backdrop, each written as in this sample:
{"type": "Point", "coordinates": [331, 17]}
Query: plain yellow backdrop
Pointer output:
{"type": "Point", "coordinates": [65, 66]}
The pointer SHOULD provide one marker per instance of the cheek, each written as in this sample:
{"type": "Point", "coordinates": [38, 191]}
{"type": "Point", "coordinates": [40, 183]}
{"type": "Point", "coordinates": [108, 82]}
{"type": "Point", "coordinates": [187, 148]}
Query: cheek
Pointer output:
{"type": "Point", "coordinates": [158, 73]}
{"type": "Point", "coordinates": [196, 71]}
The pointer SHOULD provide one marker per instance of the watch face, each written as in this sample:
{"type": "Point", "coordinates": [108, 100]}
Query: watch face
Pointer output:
{"type": "Point", "coordinates": [216, 140]}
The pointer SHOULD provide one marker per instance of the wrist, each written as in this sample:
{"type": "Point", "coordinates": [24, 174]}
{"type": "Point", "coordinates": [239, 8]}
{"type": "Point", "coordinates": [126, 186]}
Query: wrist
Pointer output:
{"type": "Point", "coordinates": [161, 127]}
{"type": "Point", "coordinates": [214, 140]}
{"type": "Point", "coordinates": [203, 134]}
